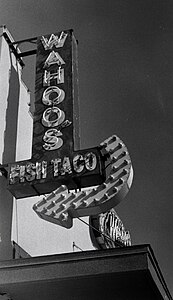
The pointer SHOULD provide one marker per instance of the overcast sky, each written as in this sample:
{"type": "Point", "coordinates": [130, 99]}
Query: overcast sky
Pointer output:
{"type": "Point", "coordinates": [126, 88]}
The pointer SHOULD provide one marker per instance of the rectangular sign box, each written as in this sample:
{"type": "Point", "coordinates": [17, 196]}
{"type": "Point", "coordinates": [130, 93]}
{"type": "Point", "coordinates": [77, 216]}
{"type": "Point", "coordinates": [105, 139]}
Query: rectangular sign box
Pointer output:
{"type": "Point", "coordinates": [28, 178]}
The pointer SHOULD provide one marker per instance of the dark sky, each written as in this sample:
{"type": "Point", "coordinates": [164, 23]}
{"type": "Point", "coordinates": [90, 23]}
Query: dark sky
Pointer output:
{"type": "Point", "coordinates": [126, 88]}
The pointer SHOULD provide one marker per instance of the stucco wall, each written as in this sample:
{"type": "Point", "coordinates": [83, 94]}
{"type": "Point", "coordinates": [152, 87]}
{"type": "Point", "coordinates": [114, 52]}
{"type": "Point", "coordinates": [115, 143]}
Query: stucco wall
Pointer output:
{"type": "Point", "coordinates": [12, 93]}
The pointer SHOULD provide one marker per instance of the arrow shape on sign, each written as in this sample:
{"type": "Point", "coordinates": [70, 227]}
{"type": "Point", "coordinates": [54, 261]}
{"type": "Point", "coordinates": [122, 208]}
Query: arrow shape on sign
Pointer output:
{"type": "Point", "coordinates": [61, 206]}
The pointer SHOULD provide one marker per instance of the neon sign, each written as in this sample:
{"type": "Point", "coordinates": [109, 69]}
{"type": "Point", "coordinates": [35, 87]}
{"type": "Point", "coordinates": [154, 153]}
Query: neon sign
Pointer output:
{"type": "Point", "coordinates": [109, 231]}
{"type": "Point", "coordinates": [30, 171]}
{"type": "Point", "coordinates": [61, 206]}
{"type": "Point", "coordinates": [56, 167]}
{"type": "Point", "coordinates": [54, 99]}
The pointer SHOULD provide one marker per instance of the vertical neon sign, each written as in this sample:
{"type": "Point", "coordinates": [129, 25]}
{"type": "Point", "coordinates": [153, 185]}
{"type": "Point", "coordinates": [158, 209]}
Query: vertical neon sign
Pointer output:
{"type": "Point", "coordinates": [53, 118]}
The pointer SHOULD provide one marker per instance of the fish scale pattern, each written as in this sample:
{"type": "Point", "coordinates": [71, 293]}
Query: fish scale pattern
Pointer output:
{"type": "Point", "coordinates": [62, 205]}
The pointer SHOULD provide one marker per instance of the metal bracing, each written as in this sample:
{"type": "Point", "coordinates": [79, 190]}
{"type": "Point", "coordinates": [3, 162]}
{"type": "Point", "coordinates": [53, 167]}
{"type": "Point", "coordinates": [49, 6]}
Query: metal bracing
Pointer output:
{"type": "Point", "coordinates": [18, 54]}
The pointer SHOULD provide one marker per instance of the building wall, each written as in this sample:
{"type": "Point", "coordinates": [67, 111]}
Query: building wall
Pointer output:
{"type": "Point", "coordinates": [12, 92]}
